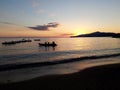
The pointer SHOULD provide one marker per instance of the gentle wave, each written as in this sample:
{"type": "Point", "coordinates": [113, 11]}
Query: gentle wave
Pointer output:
{"type": "Point", "coordinates": [33, 55]}
{"type": "Point", "coordinates": [47, 63]}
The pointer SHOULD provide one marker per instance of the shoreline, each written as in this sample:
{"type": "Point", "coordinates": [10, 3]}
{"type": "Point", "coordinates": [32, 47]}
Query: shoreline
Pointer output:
{"type": "Point", "coordinates": [8, 67]}
{"type": "Point", "coordinates": [96, 78]}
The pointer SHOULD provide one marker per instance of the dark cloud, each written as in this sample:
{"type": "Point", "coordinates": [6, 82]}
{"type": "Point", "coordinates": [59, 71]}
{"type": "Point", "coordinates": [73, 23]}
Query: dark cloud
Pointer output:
{"type": "Point", "coordinates": [45, 27]}
{"type": "Point", "coordinates": [39, 27]}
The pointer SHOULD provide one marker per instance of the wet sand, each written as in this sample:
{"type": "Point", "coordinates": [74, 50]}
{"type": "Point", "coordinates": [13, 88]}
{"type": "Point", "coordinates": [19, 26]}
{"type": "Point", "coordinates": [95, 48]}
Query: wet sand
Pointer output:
{"type": "Point", "coordinates": [105, 77]}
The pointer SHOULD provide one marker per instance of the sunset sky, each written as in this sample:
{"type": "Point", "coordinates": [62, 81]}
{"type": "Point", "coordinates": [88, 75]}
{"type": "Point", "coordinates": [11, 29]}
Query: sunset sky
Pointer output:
{"type": "Point", "coordinates": [58, 18]}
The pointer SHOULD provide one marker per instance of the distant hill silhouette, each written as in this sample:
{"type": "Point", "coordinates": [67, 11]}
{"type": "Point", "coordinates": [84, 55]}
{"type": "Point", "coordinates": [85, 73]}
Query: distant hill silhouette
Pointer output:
{"type": "Point", "coordinates": [100, 34]}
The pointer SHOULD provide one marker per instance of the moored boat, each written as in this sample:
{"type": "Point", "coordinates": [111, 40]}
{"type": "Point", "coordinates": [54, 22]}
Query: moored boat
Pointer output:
{"type": "Point", "coordinates": [15, 42]}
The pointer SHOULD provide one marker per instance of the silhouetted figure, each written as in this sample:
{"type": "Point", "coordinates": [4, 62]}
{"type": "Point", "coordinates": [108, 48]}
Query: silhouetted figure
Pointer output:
{"type": "Point", "coordinates": [53, 43]}
{"type": "Point", "coordinates": [45, 43]}
{"type": "Point", "coordinates": [48, 43]}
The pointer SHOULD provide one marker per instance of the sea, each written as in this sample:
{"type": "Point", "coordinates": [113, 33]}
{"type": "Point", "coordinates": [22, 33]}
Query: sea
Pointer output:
{"type": "Point", "coordinates": [24, 61]}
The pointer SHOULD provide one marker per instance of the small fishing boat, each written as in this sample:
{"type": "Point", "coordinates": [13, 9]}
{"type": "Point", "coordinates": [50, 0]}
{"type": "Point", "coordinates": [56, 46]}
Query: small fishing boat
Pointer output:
{"type": "Point", "coordinates": [47, 45]}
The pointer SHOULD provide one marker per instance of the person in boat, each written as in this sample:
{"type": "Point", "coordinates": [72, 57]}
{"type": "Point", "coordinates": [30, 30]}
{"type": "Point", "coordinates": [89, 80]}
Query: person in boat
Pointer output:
{"type": "Point", "coordinates": [48, 43]}
{"type": "Point", "coordinates": [53, 43]}
{"type": "Point", "coordinates": [45, 43]}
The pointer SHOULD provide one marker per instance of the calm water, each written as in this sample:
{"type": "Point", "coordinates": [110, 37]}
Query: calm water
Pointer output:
{"type": "Point", "coordinates": [30, 53]}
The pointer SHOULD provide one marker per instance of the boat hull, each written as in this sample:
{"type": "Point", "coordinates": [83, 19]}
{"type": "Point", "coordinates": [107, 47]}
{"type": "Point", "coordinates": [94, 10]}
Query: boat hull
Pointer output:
{"type": "Point", "coordinates": [47, 45]}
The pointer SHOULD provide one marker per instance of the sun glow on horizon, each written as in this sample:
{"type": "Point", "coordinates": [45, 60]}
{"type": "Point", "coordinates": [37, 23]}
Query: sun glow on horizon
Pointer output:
{"type": "Point", "coordinates": [78, 32]}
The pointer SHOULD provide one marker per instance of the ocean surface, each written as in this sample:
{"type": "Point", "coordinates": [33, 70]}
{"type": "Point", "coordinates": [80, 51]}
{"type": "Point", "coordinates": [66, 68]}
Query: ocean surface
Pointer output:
{"type": "Point", "coordinates": [28, 60]}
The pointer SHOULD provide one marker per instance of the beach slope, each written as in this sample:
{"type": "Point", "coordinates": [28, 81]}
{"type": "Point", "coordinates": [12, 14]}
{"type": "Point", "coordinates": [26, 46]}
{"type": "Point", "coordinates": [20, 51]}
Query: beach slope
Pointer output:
{"type": "Point", "coordinates": [105, 77]}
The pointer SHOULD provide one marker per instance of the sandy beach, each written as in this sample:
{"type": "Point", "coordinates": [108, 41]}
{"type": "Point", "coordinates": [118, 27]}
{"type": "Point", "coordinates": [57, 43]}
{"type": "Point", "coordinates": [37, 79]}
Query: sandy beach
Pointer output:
{"type": "Point", "coordinates": [105, 77]}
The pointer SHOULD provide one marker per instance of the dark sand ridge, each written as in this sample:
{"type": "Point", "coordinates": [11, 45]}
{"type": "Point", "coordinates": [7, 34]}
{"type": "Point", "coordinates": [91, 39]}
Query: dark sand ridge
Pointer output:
{"type": "Point", "coordinates": [105, 77]}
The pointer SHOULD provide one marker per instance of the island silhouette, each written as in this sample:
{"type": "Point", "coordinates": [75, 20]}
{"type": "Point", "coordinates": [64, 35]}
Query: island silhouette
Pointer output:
{"type": "Point", "coordinates": [100, 34]}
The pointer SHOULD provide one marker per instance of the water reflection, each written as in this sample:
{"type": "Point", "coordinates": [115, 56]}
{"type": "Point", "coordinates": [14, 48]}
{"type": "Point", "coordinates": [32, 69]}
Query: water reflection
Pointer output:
{"type": "Point", "coordinates": [47, 48]}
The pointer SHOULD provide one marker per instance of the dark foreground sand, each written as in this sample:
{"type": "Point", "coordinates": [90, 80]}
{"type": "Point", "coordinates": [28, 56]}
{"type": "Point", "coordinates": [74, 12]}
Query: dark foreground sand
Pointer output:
{"type": "Point", "coordinates": [106, 77]}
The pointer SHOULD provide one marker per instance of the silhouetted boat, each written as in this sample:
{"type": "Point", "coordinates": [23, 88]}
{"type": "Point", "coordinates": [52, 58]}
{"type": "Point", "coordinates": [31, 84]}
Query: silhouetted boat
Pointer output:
{"type": "Point", "coordinates": [9, 43]}
{"type": "Point", "coordinates": [47, 45]}
{"type": "Point", "coordinates": [15, 42]}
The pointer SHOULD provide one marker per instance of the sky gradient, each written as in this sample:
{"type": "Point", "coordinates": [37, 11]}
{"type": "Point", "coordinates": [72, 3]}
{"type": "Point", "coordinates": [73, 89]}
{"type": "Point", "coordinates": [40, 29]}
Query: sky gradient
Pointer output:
{"type": "Point", "coordinates": [58, 18]}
